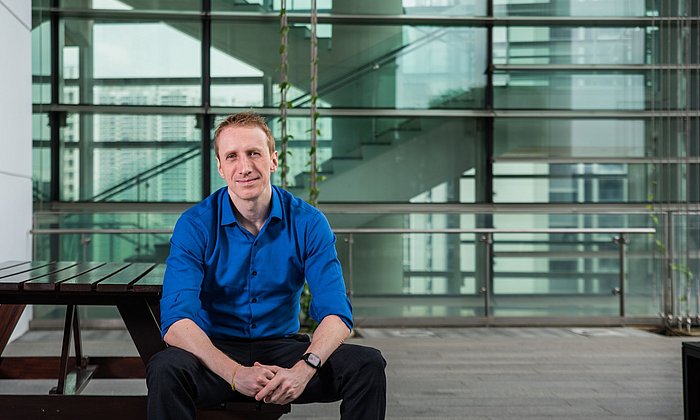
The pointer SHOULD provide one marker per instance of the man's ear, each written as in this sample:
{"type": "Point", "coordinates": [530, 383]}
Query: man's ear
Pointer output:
{"type": "Point", "coordinates": [218, 168]}
{"type": "Point", "coordinates": [275, 162]}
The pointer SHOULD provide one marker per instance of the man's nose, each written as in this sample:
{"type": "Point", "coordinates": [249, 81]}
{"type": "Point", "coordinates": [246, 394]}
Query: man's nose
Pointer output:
{"type": "Point", "coordinates": [244, 165]}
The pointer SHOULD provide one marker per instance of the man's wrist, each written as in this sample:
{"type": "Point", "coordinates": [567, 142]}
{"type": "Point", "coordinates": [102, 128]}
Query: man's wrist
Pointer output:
{"type": "Point", "coordinates": [233, 376]}
{"type": "Point", "coordinates": [306, 369]}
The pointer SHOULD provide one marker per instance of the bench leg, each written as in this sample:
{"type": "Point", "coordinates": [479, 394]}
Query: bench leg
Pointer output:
{"type": "Point", "coordinates": [74, 381]}
{"type": "Point", "coordinates": [9, 316]}
{"type": "Point", "coordinates": [143, 328]}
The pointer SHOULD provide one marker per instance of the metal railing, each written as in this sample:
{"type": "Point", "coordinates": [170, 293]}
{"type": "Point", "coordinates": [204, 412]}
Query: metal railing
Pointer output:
{"type": "Point", "coordinates": [486, 236]}
{"type": "Point", "coordinates": [620, 237]}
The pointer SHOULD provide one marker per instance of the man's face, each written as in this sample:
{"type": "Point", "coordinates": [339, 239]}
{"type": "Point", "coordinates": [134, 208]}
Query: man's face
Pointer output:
{"type": "Point", "coordinates": [244, 161]}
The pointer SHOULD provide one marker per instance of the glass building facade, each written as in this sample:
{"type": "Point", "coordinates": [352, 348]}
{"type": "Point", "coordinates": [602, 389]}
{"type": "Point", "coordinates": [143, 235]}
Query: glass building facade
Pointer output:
{"type": "Point", "coordinates": [478, 157]}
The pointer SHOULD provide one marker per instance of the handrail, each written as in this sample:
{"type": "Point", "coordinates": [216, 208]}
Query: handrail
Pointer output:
{"type": "Point", "coordinates": [73, 231]}
{"type": "Point", "coordinates": [486, 238]}
{"type": "Point", "coordinates": [496, 230]}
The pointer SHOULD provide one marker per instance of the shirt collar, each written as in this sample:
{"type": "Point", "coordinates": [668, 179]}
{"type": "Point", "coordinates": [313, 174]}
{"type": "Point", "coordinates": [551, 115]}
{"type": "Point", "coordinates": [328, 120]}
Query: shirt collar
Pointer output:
{"type": "Point", "coordinates": [228, 217]}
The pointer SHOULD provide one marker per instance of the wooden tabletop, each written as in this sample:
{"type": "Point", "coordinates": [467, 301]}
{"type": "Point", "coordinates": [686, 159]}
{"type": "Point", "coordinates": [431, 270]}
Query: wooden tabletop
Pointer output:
{"type": "Point", "coordinates": [85, 277]}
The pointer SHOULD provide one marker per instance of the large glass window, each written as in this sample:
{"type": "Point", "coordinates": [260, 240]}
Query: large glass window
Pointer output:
{"type": "Point", "coordinates": [124, 157]}
{"type": "Point", "coordinates": [430, 112]}
{"type": "Point", "coordinates": [131, 62]}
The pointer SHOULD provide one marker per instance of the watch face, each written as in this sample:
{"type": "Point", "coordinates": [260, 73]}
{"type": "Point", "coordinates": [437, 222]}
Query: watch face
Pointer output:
{"type": "Point", "coordinates": [313, 360]}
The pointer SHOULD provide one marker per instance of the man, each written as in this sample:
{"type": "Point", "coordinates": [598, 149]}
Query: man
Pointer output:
{"type": "Point", "coordinates": [230, 304]}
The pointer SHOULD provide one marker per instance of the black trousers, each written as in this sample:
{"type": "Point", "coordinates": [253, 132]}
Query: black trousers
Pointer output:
{"type": "Point", "coordinates": [178, 382]}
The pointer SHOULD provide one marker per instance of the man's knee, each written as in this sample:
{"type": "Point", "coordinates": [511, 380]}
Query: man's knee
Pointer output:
{"type": "Point", "coordinates": [366, 361]}
{"type": "Point", "coordinates": [374, 362]}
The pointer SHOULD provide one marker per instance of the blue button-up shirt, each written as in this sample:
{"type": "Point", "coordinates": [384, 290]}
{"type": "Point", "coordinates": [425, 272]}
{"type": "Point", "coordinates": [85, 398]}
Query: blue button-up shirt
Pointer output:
{"type": "Point", "coordinates": [234, 284]}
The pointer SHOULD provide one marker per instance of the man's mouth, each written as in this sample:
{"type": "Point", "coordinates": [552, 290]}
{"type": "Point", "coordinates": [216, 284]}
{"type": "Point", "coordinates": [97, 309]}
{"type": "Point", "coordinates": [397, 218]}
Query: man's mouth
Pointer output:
{"type": "Point", "coordinates": [246, 181]}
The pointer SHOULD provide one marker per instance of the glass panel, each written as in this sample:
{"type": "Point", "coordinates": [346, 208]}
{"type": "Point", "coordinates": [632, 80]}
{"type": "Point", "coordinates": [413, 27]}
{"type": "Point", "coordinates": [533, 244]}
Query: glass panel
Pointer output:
{"type": "Point", "coordinates": [575, 183]}
{"type": "Point", "coordinates": [565, 45]}
{"type": "Point", "coordinates": [115, 157]}
{"type": "Point", "coordinates": [593, 45]}
{"type": "Point", "coordinates": [572, 274]}
{"type": "Point", "coordinates": [392, 8]}
{"type": "Point", "coordinates": [568, 138]}
{"type": "Point", "coordinates": [151, 247]}
{"type": "Point", "coordinates": [386, 159]}
{"type": "Point", "coordinates": [387, 67]}
{"type": "Point", "coordinates": [409, 275]}
{"type": "Point", "coordinates": [169, 5]}
{"type": "Point", "coordinates": [595, 90]}
{"type": "Point", "coordinates": [134, 63]}
{"type": "Point", "coordinates": [41, 59]}
{"type": "Point", "coordinates": [625, 8]}
{"type": "Point", "coordinates": [685, 268]}
{"type": "Point", "coordinates": [541, 138]}
{"type": "Point", "coordinates": [41, 158]}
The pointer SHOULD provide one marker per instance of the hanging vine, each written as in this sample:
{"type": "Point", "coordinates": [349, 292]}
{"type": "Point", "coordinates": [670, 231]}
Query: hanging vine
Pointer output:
{"type": "Point", "coordinates": [284, 105]}
{"type": "Point", "coordinates": [314, 132]}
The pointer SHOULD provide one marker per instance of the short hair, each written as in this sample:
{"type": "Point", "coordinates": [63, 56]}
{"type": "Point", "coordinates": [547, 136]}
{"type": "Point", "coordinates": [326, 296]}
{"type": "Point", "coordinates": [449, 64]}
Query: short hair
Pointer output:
{"type": "Point", "coordinates": [244, 119]}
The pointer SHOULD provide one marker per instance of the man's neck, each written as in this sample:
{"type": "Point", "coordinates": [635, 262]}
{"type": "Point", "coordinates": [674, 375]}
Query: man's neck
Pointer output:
{"type": "Point", "coordinates": [252, 214]}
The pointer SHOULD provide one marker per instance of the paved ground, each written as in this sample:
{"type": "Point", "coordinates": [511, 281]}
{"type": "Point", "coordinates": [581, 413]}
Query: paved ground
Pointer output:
{"type": "Point", "coordinates": [478, 373]}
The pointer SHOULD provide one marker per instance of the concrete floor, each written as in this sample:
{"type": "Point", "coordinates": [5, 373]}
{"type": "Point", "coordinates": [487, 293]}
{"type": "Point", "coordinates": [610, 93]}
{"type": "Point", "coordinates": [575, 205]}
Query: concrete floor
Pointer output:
{"type": "Point", "coordinates": [474, 373]}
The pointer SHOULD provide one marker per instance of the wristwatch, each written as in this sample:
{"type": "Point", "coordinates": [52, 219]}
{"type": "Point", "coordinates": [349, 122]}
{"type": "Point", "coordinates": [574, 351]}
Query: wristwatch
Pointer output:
{"type": "Point", "coordinates": [312, 360]}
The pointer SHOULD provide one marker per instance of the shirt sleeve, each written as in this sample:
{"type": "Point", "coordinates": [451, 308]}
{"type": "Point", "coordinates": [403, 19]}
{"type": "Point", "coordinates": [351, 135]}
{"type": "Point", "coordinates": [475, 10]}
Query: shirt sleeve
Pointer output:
{"type": "Point", "coordinates": [324, 274]}
{"type": "Point", "coordinates": [183, 275]}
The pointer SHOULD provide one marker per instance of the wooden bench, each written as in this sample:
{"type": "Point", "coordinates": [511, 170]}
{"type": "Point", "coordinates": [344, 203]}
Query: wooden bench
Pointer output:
{"type": "Point", "coordinates": [135, 290]}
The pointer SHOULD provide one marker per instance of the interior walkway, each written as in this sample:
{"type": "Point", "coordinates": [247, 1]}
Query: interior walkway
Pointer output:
{"type": "Point", "coordinates": [476, 373]}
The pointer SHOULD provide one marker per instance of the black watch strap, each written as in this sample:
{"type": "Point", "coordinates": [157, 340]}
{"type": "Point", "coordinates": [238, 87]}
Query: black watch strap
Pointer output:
{"type": "Point", "coordinates": [312, 360]}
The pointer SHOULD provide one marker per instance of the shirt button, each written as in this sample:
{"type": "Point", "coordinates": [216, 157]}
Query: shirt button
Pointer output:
{"type": "Point", "coordinates": [253, 326]}
{"type": "Point", "coordinates": [255, 273]}
{"type": "Point", "coordinates": [254, 300]}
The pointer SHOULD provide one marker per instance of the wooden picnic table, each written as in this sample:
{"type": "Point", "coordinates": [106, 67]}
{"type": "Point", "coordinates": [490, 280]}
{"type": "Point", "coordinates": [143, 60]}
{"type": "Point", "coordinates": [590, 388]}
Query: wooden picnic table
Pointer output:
{"type": "Point", "coordinates": [134, 288]}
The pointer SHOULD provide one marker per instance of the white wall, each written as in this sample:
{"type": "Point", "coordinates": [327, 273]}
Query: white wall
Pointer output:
{"type": "Point", "coordinates": [15, 134]}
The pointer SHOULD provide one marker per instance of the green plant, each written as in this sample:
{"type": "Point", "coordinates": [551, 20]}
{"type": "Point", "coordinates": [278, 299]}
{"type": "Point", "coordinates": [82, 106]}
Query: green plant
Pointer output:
{"type": "Point", "coordinates": [284, 85]}
{"type": "Point", "coordinates": [314, 131]}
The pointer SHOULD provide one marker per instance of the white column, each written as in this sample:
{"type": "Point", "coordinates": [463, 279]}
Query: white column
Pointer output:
{"type": "Point", "coordinates": [16, 134]}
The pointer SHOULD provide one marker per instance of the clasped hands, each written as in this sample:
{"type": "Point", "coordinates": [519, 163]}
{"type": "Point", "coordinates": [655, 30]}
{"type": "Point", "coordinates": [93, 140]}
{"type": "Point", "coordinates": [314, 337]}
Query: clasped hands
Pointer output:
{"type": "Point", "coordinates": [273, 384]}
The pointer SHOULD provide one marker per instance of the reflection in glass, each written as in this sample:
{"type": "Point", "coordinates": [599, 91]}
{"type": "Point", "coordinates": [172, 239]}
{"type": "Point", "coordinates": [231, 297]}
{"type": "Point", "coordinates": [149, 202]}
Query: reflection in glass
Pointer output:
{"type": "Point", "coordinates": [567, 45]}
{"type": "Point", "coordinates": [387, 67]}
{"type": "Point", "coordinates": [636, 8]}
{"type": "Point", "coordinates": [41, 60]}
{"type": "Point", "coordinates": [573, 183]}
{"type": "Point", "coordinates": [614, 90]}
{"type": "Point", "coordinates": [115, 157]}
{"type": "Point", "coordinates": [536, 138]}
{"type": "Point", "coordinates": [385, 7]}
{"type": "Point", "coordinates": [170, 5]}
{"type": "Point", "coordinates": [388, 159]}
{"type": "Point", "coordinates": [137, 63]}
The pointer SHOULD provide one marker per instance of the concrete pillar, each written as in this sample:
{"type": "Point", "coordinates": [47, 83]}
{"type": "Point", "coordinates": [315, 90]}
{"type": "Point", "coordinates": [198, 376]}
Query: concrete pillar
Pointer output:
{"type": "Point", "coordinates": [16, 134]}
